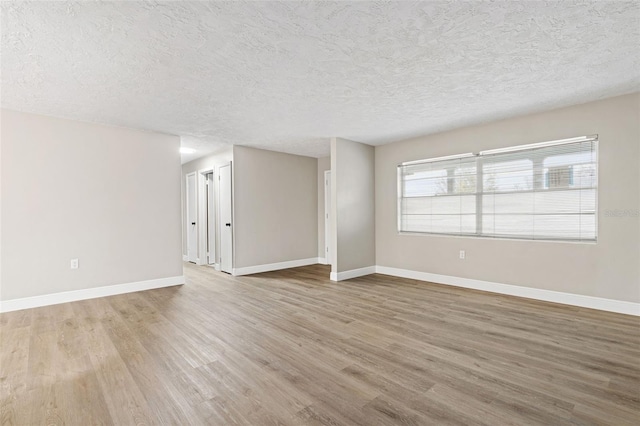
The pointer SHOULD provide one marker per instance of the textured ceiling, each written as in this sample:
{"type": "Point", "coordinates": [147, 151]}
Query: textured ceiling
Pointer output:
{"type": "Point", "coordinates": [287, 76]}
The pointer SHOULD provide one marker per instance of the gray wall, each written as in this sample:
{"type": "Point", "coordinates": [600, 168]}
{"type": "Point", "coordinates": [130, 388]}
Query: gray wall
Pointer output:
{"type": "Point", "coordinates": [275, 207]}
{"type": "Point", "coordinates": [108, 196]}
{"type": "Point", "coordinates": [324, 164]}
{"type": "Point", "coordinates": [353, 205]}
{"type": "Point", "coordinates": [609, 269]}
{"type": "Point", "coordinates": [214, 161]}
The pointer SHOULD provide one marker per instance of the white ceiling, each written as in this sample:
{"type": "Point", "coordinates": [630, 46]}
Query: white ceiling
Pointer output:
{"type": "Point", "coordinates": [287, 76]}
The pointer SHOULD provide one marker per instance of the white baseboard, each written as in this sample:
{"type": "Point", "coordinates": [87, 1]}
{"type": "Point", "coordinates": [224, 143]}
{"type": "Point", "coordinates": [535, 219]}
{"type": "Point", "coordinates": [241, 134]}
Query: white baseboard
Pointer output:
{"type": "Point", "coordinates": [185, 258]}
{"type": "Point", "coordinates": [217, 267]}
{"type": "Point", "coordinates": [591, 302]}
{"type": "Point", "coordinates": [274, 266]}
{"type": "Point", "coordinates": [322, 261]}
{"type": "Point", "coordinates": [353, 273]}
{"type": "Point", "coordinates": [89, 293]}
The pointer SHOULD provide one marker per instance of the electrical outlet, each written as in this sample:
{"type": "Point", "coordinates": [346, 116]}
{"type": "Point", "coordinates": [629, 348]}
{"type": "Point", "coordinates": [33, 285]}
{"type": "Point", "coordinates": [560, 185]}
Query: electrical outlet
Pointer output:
{"type": "Point", "coordinates": [462, 254]}
{"type": "Point", "coordinates": [74, 264]}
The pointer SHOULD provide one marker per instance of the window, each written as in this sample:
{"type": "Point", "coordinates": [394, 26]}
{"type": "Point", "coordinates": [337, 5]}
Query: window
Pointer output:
{"type": "Point", "coordinates": [539, 191]}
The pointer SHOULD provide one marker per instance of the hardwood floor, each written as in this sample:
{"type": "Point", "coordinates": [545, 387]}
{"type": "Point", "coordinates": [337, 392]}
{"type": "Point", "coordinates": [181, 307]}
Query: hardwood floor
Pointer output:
{"type": "Point", "coordinates": [291, 347]}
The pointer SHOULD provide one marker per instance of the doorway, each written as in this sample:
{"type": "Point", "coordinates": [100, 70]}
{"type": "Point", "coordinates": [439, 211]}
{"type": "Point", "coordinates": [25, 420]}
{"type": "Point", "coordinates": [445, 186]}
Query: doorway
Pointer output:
{"type": "Point", "coordinates": [327, 216]}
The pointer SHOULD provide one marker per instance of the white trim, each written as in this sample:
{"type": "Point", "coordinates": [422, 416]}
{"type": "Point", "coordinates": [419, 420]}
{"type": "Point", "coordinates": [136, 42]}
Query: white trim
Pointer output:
{"type": "Point", "coordinates": [353, 273]}
{"type": "Point", "coordinates": [274, 266]}
{"type": "Point", "coordinates": [185, 258]}
{"type": "Point", "coordinates": [591, 302]}
{"type": "Point", "coordinates": [216, 266]}
{"type": "Point", "coordinates": [89, 293]}
{"type": "Point", "coordinates": [322, 261]}
{"type": "Point", "coordinates": [484, 237]}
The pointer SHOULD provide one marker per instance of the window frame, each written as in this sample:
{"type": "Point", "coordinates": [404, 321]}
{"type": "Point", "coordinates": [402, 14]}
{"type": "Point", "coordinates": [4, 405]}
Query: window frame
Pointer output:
{"type": "Point", "coordinates": [479, 193]}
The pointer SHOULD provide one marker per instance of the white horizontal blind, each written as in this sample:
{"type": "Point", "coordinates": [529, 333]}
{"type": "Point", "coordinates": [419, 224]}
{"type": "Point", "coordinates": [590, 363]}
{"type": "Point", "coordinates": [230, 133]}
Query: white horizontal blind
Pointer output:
{"type": "Point", "coordinates": [543, 191]}
{"type": "Point", "coordinates": [546, 192]}
{"type": "Point", "coordinates": [439, 196]}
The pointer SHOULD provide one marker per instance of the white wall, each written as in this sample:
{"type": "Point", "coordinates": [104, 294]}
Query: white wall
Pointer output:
{"type": "Point", "coordinates": [108, 196]}
{"type": "Point", "coordinates": [609, 269]}
{"type": "Point", "coordinates": [275, 207]}
{"type": "Point", "coordinates": [324, 164]}
{"type": "Point", "coordinates": [353, 206]}
{"type": "Point", "coordinates": [211, 161]}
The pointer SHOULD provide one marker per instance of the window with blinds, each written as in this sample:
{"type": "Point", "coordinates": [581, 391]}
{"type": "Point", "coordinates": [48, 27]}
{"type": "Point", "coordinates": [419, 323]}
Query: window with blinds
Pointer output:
{"type": "Point", "coordinates": [538, 191]}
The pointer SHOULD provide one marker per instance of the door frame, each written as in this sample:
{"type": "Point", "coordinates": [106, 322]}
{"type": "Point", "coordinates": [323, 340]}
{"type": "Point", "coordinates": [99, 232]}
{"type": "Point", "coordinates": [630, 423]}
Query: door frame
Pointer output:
{"type": "Point", "coordinates": [203, 250]}
{"type": "Point", "coordinates": [327, 217]}
{"type": "Point", "coordinates": [212, 223]}
{"type": "Point", "coordinates": [188, 214]}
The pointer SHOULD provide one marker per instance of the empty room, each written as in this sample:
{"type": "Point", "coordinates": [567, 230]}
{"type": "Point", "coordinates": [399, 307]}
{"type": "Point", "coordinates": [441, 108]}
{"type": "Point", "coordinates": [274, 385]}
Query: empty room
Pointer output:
{"type": "Point", "coordinates": [319, 213]}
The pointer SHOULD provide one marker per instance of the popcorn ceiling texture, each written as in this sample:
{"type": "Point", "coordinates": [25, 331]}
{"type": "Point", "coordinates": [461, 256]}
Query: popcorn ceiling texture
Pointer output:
{"type": "Point", "coordinates": [287, 76]}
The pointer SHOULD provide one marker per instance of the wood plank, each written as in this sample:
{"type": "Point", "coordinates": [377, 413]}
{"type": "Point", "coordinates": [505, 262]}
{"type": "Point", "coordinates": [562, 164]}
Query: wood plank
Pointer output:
{"type": "Point", "coordinates": [293, 348]}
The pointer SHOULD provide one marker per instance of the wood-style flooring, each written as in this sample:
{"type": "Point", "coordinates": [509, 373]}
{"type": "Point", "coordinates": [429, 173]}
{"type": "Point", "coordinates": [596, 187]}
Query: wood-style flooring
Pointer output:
{"type": "Point", "coordinates": [292, 348]}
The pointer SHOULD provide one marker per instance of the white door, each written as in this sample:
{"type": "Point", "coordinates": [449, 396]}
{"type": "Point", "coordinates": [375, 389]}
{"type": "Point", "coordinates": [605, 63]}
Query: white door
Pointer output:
{"type": "Point", "coordinates": [327, 216]}
{"type": "Point", "coordinates": [211, 222]}
{"type": "Point", "coordinates": [192, 214]}
{"type": "Point", "coordinates": [226, 224]}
